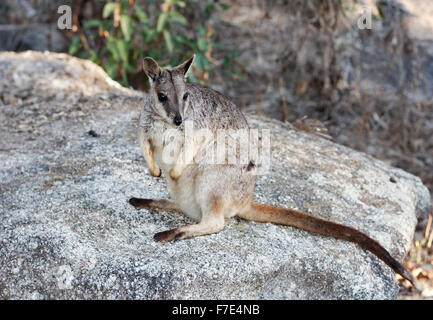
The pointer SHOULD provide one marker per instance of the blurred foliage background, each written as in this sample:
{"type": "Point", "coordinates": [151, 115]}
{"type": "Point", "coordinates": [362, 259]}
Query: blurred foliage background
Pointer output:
{"type": "Point", "coordinates": [125, 31]}
{"type": "Point", "coordinates": [302, 61]}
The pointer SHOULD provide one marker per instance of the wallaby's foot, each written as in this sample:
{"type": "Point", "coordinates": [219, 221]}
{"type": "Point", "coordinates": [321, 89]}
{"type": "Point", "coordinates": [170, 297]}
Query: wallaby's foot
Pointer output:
{"type": "Point", "coordinates": [156, 172]}
{"type": "Point", "coordinates": [152, 204]}
{"type": "Point", "coordinates": [175, 173]}
{"type": "Point", "coordinates": [139, 203]}
{"type": "Point", "coordinates": [169, 235]}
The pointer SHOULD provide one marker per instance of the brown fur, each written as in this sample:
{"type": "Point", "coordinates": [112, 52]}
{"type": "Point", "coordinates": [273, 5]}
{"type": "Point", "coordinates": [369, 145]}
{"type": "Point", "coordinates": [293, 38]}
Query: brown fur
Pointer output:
{"type": "Point", "coordinates": [216, 204]}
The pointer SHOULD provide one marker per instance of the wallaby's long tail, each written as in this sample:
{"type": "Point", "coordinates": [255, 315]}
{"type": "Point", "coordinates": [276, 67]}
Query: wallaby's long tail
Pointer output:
{"type": "Point", "coordinates": [294, 218]}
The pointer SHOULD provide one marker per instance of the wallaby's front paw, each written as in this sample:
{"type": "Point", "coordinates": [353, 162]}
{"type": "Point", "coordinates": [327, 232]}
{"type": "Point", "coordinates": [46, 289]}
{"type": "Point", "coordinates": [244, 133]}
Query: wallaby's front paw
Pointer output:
{"type": "Point", "coordinates": [155, 172]}
{"type": "Point", "coordinates": [175, 174]}
{"type": "Point", "coordinates": [169, 235]}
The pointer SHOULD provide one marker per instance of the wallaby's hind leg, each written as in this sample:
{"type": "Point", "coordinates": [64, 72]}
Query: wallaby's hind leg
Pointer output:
{"type": "Point", "coordinates": [206, 226]}
{"type": "Point", "coordinates": [212, 221]}
{"type": "Point", "coordinates": [152, 204]}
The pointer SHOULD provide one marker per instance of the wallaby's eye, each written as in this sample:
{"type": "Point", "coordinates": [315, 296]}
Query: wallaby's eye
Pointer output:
{"type": "Point", "coordinates": [162, 97]}
{"type": "Point", "coordinates": [185, 96]}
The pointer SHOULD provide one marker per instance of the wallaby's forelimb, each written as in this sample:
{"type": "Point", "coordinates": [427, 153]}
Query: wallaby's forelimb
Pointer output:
{"type": "Point", "coordinates": [147, 150]}
{"type": "Point", "coordinates": [294, 218]}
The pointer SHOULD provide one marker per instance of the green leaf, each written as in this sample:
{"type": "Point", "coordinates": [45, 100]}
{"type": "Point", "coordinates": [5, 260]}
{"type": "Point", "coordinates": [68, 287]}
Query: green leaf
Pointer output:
{"type": "Point", "coordinates": [123, 49]}
{"type": "Point", "coordinates": [124, 81]}
{"type": "Point", "coordinates": [202, 44]}
{"type": "Point", "coordinates": [111, 69]}
{"type": "Point", "coordinates": [91, 24]}
{"type": "Point", "coordinates": [161, 21]}
{"type": "Point", "coordinates": [168, 41]}
{"type": "Point", "coordinates": [180, 3]}
{"type": "Point", "coordinates": [127, 26]}
{"type": "Point", "coordinates": [208, 10]}
{"type": "Point", "coordinates": [94, 56]}
{"type": "Point", "coordinates": [201, 30]}
{"type": "Point", "coordinates": [206, 61]}
{"type": "Point", "coordinates": [149, 35]}
{"type": "Point", "coordinates": [108, 9]}
{"type": "Point", "coordinates": [112, 48]}
{"type": "Point", "coordinates": [124, 3]}
{"type": "Point", "coordinates": [184, 40]}
{"type": "Point", "coordinates": [129, 68]}
{"type": "Point", "coordinates": [75, 45]}
{"type": "Point", "coordinates": [177, 17]}
{"type": "Point", "coordinates": [216, 44]}
{"type": "Point", "coordinates": [106, 25]}
{"type": "Point", "coordinates": [142, 16]}
{"type": "Point", "coordinates": [199, 61]}
{"type": "Point", "coordinates": [224, 6]}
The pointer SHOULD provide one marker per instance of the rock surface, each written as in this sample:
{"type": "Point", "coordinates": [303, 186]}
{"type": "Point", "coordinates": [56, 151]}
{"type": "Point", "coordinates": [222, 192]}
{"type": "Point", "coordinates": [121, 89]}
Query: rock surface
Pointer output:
{"type": "Point", "coordinates": [67, 230]}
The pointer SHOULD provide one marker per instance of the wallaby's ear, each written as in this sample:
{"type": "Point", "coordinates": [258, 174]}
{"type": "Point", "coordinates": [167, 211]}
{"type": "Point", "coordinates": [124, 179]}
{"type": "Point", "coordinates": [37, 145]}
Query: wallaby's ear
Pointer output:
{"type": "Point", "coordinates": [151, 68]}
{"type": "Point", "coordinates": [185, 66]}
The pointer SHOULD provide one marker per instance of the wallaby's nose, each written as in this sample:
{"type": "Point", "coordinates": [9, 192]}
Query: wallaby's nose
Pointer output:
{"type": "Point", "coordinates": [177, 120]}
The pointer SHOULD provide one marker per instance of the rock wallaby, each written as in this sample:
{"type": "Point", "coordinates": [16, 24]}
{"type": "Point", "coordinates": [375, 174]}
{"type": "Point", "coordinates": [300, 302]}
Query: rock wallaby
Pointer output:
{"type": "Point", "coordinates": [210, 193]}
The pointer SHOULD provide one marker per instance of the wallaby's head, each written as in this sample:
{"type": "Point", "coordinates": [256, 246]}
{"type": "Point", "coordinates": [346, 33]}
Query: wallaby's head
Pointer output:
{"type": "Point", "coordinates": [168, 87]}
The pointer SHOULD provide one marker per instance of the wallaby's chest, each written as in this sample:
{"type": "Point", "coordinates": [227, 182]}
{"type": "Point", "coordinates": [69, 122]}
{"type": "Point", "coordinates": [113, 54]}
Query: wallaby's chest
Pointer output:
{"type": "Point", "coordinates": [166, 143]}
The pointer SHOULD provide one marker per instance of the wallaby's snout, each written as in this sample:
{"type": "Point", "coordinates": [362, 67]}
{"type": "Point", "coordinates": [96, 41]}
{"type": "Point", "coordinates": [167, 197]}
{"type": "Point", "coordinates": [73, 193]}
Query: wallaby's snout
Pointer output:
{"type": "Point", "coordinates": [177, 120]}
